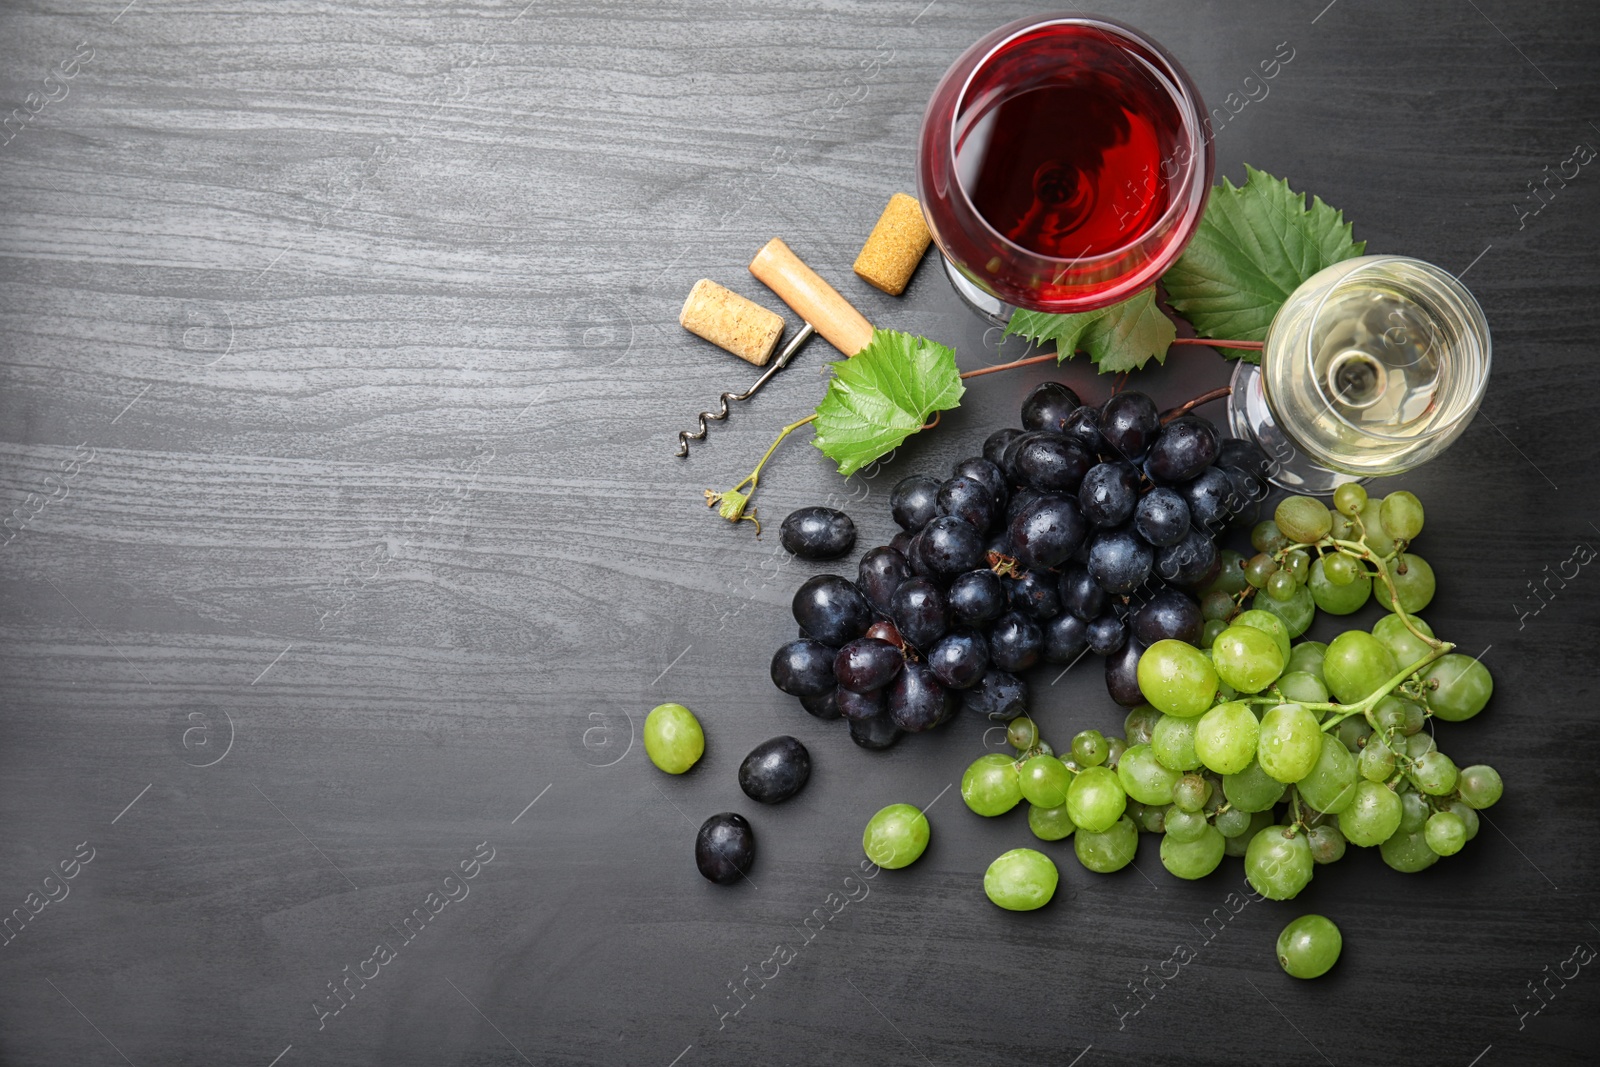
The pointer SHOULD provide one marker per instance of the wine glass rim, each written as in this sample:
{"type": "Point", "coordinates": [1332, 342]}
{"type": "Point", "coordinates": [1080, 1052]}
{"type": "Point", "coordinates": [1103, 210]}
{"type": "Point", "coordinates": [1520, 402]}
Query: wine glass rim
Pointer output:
{"type": "Point", "coordinates": [1477, 328]}
{"type": "Point", "coordinates": [1174, 81]}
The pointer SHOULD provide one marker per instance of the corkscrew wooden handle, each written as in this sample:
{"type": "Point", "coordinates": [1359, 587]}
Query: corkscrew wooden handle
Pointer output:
{"type": "Point", "coordinates": [813, 299]}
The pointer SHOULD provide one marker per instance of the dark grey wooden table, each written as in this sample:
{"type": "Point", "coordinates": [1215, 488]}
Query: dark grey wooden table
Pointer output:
{"type": "Point", "coordinates": [346, 549]}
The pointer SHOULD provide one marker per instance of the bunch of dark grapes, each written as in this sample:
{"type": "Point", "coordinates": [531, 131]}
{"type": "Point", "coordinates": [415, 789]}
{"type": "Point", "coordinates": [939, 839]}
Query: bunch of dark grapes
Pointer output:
{"type": "Point", "coordinates": [1088, 529]}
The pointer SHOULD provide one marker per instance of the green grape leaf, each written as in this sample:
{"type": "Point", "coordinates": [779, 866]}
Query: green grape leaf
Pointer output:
{"type": "Point", "coordinates": [1254, 246]}
{"type": "Point", "coordinates": [882, 395]}
{"type": "Point", "coordinates": [1121, 337]}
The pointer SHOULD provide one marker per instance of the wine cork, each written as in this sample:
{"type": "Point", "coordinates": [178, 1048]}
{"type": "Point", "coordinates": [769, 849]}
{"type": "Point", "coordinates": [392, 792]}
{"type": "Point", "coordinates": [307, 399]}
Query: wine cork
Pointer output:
{"type": "Point", "coordinates": [895, 247]}
{"type": "Point", "coordinates": [731, 322]}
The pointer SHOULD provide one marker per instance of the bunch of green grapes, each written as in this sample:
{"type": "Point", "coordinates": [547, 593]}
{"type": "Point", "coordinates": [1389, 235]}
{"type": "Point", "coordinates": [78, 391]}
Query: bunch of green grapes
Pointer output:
{"type": "Point", "coordinates": [1278, 752]}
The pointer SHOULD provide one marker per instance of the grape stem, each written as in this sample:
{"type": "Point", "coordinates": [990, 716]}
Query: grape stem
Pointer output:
{"type": "Point", "coordinates": [733, 504]}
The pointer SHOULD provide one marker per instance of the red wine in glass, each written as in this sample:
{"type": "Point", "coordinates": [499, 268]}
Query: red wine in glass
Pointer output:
{"type": "Point", "coordinates": [1064, 163]}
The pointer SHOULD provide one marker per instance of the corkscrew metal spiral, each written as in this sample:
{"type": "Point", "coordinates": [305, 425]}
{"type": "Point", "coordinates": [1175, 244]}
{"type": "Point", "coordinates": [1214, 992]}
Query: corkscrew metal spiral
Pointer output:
{"type": "Point", "coordinates": [788, 353]}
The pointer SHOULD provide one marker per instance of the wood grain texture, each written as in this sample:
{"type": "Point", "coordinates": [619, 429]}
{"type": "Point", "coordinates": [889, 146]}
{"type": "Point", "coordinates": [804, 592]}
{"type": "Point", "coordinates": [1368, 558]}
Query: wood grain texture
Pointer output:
{"type": "Point", "coordinates": [340, 378]}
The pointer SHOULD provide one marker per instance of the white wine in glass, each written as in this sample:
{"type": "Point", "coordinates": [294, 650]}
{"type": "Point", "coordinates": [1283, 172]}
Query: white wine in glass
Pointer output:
{"type": "Point", "coordinates": [1373, 366]}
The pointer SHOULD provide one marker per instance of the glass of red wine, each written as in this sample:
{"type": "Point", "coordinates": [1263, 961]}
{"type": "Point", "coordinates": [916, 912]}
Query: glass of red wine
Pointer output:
{"type": "Point", "coordinates": [1064, 162]}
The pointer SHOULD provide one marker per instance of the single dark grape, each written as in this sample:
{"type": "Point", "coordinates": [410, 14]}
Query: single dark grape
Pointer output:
{"type": "Point", "coordinates": [1051, 463]}
{"type": "Point", "coordinates": [914, 556]}
{"type": "Point", "coordinates": [1001, 696]}
{"type": "Point", "coordinates": [878, 732]}
{"type": "Point", "coordinates": [1109, 493]}
{"type": "Point", "coordinates": [1187, 445]}
{"type": "Point", "coordinates": [1034, 596]}
{"type": "Point", "coordinates": [817, 533]}
{"type": "Point", "coordinates": [1083, 426]}
{"type": "Point", "coordinates": [866, 664]}
{"type": "Point", "coordinates": [901, 542]}
{"type": "Point", "coordinates": [1106, 634]}
{"type": "Point", "coordinates": [725, 847]}
{"type": "Point", "coordinates": [976, 598]}
{"type": "Point", "coordinates": [858, 706]}
{"type": "Point", "coordinates": [1129, 423]}
{"type": "Point", "coordinates": [1080, 593]}
{"type": "Point", "coordinates": [1168, 615]}
{"type": "Point", "coordinates": [994, 446]}
{"type": "Point", "coordinates": [969, 500]}
{"type": "Point", "coordinates": [959, 659]}
{"type": "Point", "coordinates": [1190, 561]}
{"type": "Point", "coordinates": [884, 630]}
{"type": "Point", "coordinates": [1162, 517]}
{"type": "Point", "coordinates": [914, 502]}
{"type": "Point", "coordinates": [1246, 493]}
{"type": "Point", "coordinates": [1209, 496]}
{"type": "Point", "coordinates": [951, 546]}
{"type": "Point", "coordinates": [1119, 560]}
{"type": "Point", "coordinates": [804, 668]}
{"type": "Point", "coordinates": [920, 612]}
{"type": "Point", "coordinates": [879, 574]}
{"type": "Point", "coordinates": [1015, 642]}
{"type": "Point", "coordinates": [916, 700]}
{"type": "Point", "coordinates": [1122, 674]}
{"type": "Point", "coordinates": [986, 471]}
{"type": "Point", "coordinates": [1066, 637]}
{"type": "Point", "coordinates": [831, 609]}
{"type": "Point", "coordinates": [824, 706]}
{"type": "Point", "coordinates": [1019, 502]}
{"type": "Point", "coordinates": [775, 770]}
{"type": "Point", "coordinates": [1047, 532]}
{"type": "Point", "coordinates": [1047, 407]}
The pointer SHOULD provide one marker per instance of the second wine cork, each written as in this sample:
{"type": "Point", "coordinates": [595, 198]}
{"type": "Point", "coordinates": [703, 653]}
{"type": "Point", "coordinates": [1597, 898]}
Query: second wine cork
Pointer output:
{"type": "Point", "coordinates": [895, 247]}
{"type": "Point", "coordinates": [731, 322]}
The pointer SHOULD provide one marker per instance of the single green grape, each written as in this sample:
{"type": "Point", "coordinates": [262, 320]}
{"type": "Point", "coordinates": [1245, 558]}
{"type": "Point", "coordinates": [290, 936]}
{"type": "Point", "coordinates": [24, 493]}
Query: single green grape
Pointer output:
{"type": "Point", "coordinates": [1183, 825]}
{"type": "Point", "coordinates": [896, 836]}
{"type": "Point", "coordinates": [1191, 793]}
{"type": "Point", "coordinates": [1354, 732]}
{"type": "Point", "coordinates": [1333, 598]}
{"type": "Point", "coordinates": [1296, 613]}
{"type": "Point", "coordinates": [1252, 789]}
{"type": "Point", "coordinates": [1376, 762]}
{"type": "Point", "coordinates": [1246, 658]}
{"type": "Point", "coordinates": [1309, 946]}
{"type": "Point", "coordinates": [1096, 798]}
{"type": "Point", "coordinates": [1356, 665]}
{"type": "Point", "coordinates": [1259, 571]}
{"type": "Point", "coordinates": [1216, 605]}
{"type": "Point", "coordinates": [1196, 857]}
{"type": "Point", "coordinates": [1289, 742]}
{"type": "Point", "coordinates": [1445, 833]}
{"type": "Point", "coordinates": [1281, 586]}
{"type": "Point", "coordinates": [1141, 776]}
{"type": "Point", "coordinates": [1140, 723]}
{"type": "Point", "coordinates": [1266, 537]}
{"type": "Point", "coordinates": [1344, 528]}
{"type": "Point", "coordinates": [1408, 853]}
{"type": "Point", "coordinates": [1302, 688]}
{"type": "Point", "coordinates": [1173, 742]}
{"type": "Point", "coordinates": [1230, 575]}
{"type": "Point", "coordinates": [1214, 799]}
{"type": "Point", "coordinates": [1044, 781]}
{"type": "Point", "coordinates": [1480, 785]}
{"type": "Point", "coordinates": [1338, 570]}
{"type": "Point", "coordinates": [1233, 822]}
{"type": "Point", "coordinates": [1225, 738]}
{"type": "Point", "coordinates": [1023, 733]}
{"type": "Point", "coordinates": [1237, 846]}
{"type": "Point", "coordinates": [1115, 747]}
{"type": "Point", "coordinates": [1330, 786]}
{"type": "Point", "coordinates": [1459, 687]}
{"type": "Point", "coordinates": [1270, 623]}
{"type": "Point", "coordinates": [1089, 748]}
{"type": "Point", "coordinates": [1414, 812]}
{"type": "Point", "coordinates": [1211, 631]}
{"type": "Point", "coordinates": [1278, 862]}
{"type": "Point", "coordinates": [1050, 824]}
{"type": "Point", "coordinates": [1434, 774]}
{"type": "Point", "coordinates": [1176, 678]}
{"type": "Point", "coordinates": [1303, 518]}
{"type": "Point", "coordinates": [1327, 843]}
{"type": "Point", "coordinates": [1417, 745]}
{"type": "Point", "coordinates": [1307, 657]}
{"type": "Point", "coordinates": [1415, 585]}
{"type": "Point", "coordinates": [1402, 515]}
{"type": "Point", "coordinates": [1467, 816]}
{"type": "Point", "coordinates": [1373, 815]}
{"type": "Point", "coordinates": [1021, 880]}
{"type": "Point", "coordinates": [1109, 850]}
{"type": "Point", "coordinates": [673, 738]}
{"type": "Point", "coordinates": [1377, 538]}
{"type": "Point", "coordinates": [1405, 646]}
{"type": "Point", "coordinates": [1387, 715]}
{"type": "Point", "coordinates": [992, 785]}
{"type": "Point", "coordinates": [1298, 563]}
{"type": "Point", "coordinates": [1350, 498]}
{"type": "Point", "coordinates": [1150, 818]}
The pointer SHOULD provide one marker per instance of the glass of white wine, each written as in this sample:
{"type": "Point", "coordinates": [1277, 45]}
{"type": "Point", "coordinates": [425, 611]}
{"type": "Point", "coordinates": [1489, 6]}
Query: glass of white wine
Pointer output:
{"type": "Point", "coordinates": [1373, 366]}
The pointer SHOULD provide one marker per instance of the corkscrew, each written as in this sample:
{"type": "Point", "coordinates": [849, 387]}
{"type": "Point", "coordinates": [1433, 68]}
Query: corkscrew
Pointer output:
{"type": "Point", "coordinates": [790, 350]}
